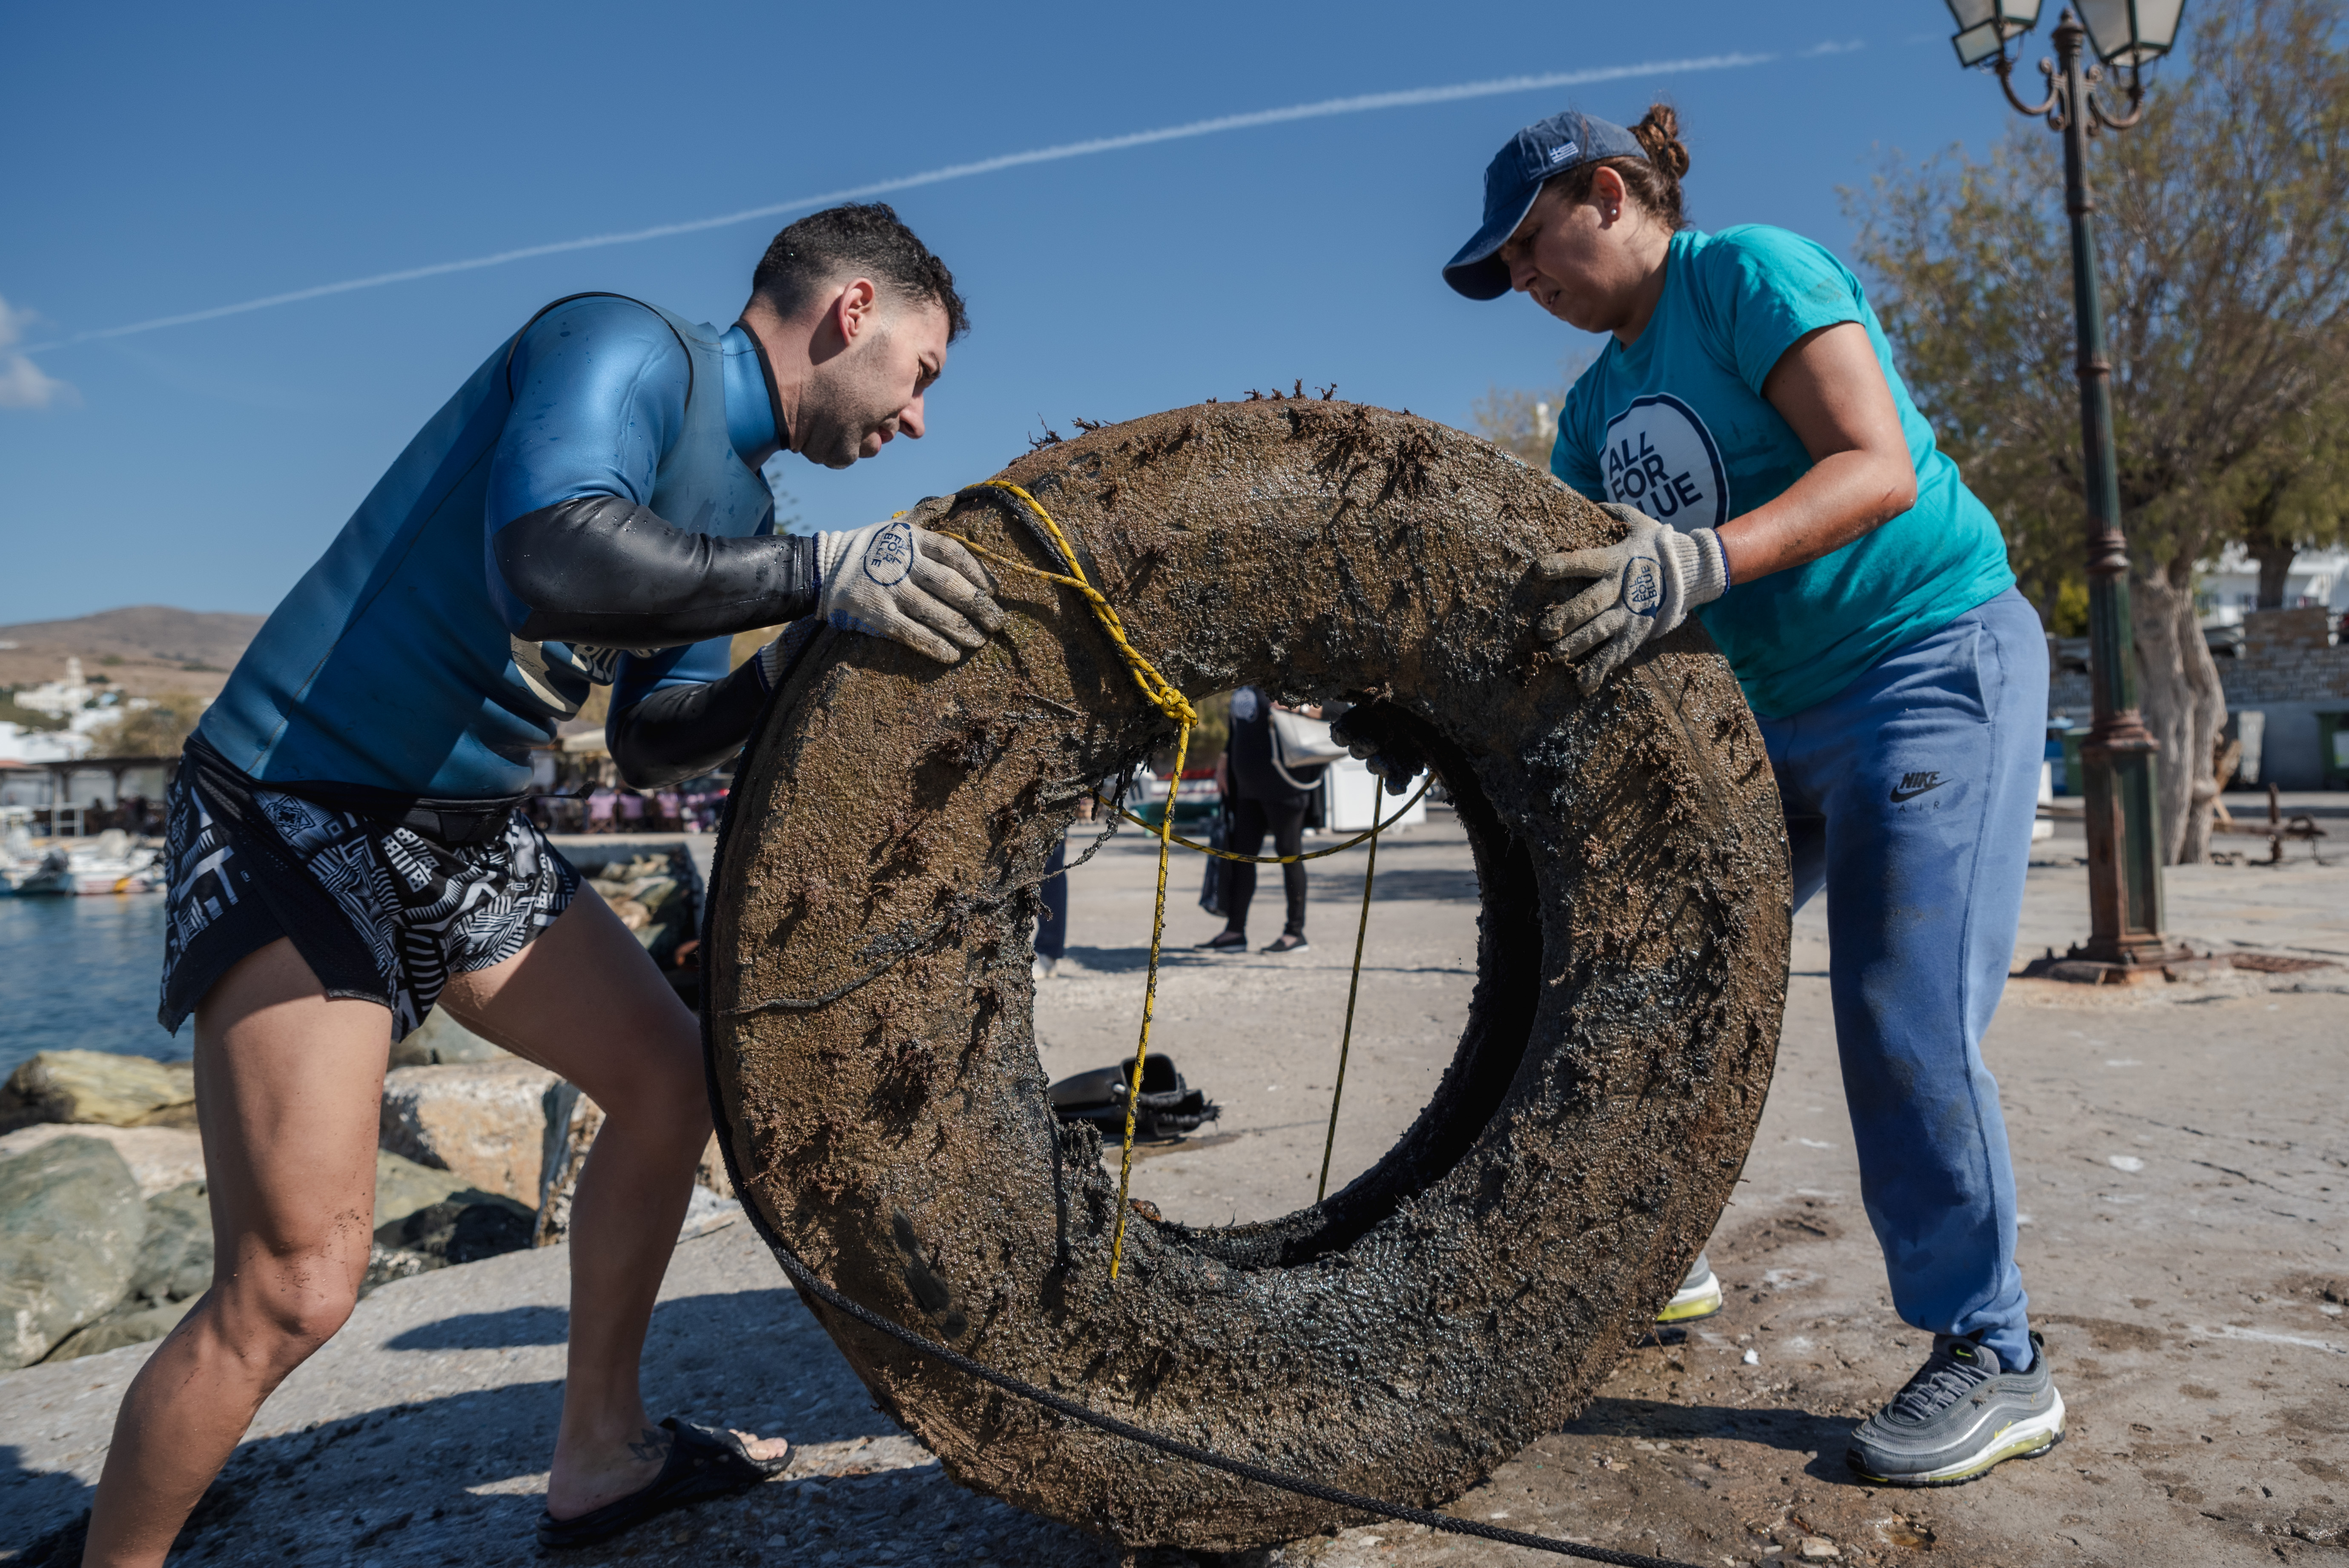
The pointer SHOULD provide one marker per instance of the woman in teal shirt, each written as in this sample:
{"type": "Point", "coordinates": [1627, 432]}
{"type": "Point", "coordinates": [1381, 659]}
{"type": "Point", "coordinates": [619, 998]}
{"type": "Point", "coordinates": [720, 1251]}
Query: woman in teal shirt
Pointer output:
{"type": "Point", "coordinates": [1745, 423]}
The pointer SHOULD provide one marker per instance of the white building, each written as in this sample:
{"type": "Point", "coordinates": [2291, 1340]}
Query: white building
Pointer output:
{"type": "Point", "coordinates": [2229, 586]}
{"type": "Point", "coordinates": [22, 750]}
{"type": "Point", "coordinates": [28, 757]}
{"type": "Point", "coordinates": [58, 698]}
{"type": "Point", "coordinates": [18, 744]}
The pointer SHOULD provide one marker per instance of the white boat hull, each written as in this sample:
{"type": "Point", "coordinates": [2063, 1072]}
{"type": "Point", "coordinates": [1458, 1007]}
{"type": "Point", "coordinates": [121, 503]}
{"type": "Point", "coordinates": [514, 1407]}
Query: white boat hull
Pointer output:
{"type": "Point", "coordinates": [89, 878]}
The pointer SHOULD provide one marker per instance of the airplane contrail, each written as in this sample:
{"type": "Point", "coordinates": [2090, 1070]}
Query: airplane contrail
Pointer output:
{"type": "Point", "coordinates": [1363, 103]}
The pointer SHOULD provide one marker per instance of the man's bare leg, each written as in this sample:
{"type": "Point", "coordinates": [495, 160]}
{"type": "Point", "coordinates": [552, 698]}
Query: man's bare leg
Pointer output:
{"type": "Point", "coordinates": [584, 1000]}
{"type": "Point", "coordinates": [288, 1084]}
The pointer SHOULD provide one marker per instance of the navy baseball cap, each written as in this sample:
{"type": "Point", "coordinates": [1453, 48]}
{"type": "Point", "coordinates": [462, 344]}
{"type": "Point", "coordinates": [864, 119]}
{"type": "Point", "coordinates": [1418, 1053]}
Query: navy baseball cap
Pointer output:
{"type": "Point", "coordinates": [1516, 176]}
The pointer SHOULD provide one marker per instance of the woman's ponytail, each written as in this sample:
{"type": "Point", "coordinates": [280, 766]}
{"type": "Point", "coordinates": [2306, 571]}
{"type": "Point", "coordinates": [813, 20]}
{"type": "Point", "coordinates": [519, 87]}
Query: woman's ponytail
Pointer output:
{"type": "Point", "coordinates": [1658, 131]}
{"type": "Point", "coordinates": [1653, 182]}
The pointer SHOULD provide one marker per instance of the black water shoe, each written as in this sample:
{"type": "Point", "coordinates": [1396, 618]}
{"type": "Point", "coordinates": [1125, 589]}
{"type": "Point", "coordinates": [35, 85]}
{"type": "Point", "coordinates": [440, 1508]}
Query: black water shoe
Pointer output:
{"type": "Point", "coordinates": [1169, 1107]}
{"type": "Point", "coordinates": [703, 1462]}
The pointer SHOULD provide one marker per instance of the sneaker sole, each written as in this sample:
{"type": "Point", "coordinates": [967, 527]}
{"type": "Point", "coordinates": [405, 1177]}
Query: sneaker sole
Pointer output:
{"type": "Point", "coordinates": [1695, 1302]}
{"type": "Point", "coordinates": [2025, 1439]}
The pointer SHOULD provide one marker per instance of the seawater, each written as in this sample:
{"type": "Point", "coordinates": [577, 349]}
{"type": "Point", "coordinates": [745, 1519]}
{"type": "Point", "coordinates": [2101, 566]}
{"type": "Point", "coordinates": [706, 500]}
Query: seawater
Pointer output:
{"type": "Point", "coordinates": [82, 973]}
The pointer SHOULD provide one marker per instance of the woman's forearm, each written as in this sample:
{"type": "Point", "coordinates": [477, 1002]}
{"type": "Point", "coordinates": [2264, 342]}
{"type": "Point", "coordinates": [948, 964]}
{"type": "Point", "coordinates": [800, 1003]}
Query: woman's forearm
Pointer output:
{"type": "Point", "coordinates": [1844, 497]}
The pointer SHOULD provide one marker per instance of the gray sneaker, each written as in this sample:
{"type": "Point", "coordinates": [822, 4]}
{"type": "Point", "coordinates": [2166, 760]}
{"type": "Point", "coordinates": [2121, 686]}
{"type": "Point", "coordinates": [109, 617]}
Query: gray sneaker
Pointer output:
{"type": "Point", "coordinates": [1960, 1414]}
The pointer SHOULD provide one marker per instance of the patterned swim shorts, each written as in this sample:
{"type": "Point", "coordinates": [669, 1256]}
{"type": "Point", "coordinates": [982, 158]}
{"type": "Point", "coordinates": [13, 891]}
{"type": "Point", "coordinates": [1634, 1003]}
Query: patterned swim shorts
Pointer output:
{"type": "Point", "coordinates": [411, 911]}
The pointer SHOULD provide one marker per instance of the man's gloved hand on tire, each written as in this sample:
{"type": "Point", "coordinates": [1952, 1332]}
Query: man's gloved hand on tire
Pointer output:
{"type": "Point", "coordinates": [1647, 585]}
{"type": "Point", "coordinates": [894, 580]}
{"type": "Point", "coordinates": [1374, 733]}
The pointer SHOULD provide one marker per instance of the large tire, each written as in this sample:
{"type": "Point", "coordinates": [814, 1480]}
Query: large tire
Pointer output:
{"type": "Point", "coordinates": [1468, 1292]}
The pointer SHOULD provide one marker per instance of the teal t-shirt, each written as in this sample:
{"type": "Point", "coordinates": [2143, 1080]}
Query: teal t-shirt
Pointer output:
{"type": "Point", "coordinates": [1676, 426]}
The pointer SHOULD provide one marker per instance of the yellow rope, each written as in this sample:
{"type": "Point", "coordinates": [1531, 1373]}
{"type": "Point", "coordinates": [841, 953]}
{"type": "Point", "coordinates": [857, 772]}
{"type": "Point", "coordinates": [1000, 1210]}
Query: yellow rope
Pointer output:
{"type": "Point", "coordinates": [1162, 695]}
{"type": "Point", "coordinates": [1161, 691]}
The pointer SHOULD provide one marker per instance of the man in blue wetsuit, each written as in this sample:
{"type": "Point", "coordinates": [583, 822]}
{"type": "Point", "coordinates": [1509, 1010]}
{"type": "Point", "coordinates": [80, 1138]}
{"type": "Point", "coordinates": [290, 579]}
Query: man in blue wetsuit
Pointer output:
{"type": "Point", "coordinates": [347, 852]}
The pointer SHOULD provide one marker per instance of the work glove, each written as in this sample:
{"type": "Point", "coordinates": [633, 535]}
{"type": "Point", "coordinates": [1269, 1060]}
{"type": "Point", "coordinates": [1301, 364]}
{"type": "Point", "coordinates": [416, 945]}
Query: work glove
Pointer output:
{"type": "Point", "coordinates": [770, 660]}
{"type": "Point", "coordinates": [894, 580]}
{"type": "Point", "coordinates": [1647, 585]}
{"type": "Point", "coordinates": [1372, 734]}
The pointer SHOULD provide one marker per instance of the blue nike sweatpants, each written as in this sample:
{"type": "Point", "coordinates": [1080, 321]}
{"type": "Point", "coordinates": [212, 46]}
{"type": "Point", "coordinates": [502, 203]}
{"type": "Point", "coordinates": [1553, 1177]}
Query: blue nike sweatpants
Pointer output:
{"type": "Point", "coordinates": [1910, 797]}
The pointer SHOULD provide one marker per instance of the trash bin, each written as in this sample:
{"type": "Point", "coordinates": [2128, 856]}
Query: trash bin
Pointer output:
{"type": "Point", "coordinates": [2333, 748]}
{"type": "Point", "coordinates": [2070, 783]}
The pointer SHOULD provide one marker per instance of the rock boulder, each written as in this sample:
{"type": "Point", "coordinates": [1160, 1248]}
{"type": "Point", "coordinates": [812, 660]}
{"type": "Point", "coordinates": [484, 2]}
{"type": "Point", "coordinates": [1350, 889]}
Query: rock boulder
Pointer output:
{"type": "Point", "coordinates": [441, 1040]}
{"type": "Point", "coordinates": [127, 1325]}
{"type": "Point", "coordinates": [100, 1086]}
{"type": "Point", "coordinates": [402, 1187]}
{"type": "Point", "coordinates": [71, 1221]}
{"type": "Point", "coordinates": [572, 1121]}
{"type": "Point", "coordinates": [569, 1122]}
{"type": "Point", "coordinates": [480, 1120]}
{"type": "Point", "coordinates": [462, 1229]}
{"type": "Point", "coordinates": [160, 1157]}
{"type": "Point", "coordinates": [175, 1261]}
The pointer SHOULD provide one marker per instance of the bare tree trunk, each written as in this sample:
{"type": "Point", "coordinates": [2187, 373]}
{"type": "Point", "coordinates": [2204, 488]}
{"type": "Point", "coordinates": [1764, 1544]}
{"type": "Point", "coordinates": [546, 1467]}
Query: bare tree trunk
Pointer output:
{"type": "Point", "coordinates": [2275, 558]}
{"type": "Point", "coordinates": [2178, 693]}
{"type": "Point", "coordinates": [2269, 546]}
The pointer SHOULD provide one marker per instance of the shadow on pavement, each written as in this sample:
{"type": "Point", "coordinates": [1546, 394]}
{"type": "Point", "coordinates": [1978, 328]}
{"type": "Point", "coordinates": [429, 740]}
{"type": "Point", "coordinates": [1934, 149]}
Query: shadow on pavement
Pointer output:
{"type": "Point", "coordinates": [51, 1502]}
{"type": "Point", "coordinates": [487, 1330]}
{"type": "Point", "coordinates": [1441, 883]}
{"type": "Point", "coordinates": [448, 1467]}
{"type": "Point", "coordinates": [1789, 1430]}
{"type": "Point", "coordinates": [1135, 960]}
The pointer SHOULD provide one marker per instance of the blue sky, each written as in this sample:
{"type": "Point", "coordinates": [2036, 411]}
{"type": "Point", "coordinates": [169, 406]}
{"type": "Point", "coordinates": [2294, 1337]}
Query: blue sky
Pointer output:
{"type": "Point", "coordinates": [163, 160]}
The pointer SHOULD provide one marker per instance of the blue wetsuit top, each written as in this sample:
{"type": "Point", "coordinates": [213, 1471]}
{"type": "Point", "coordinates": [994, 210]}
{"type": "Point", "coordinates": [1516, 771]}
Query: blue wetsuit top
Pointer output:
{"type": "Point", "coordinates": [587, 510]}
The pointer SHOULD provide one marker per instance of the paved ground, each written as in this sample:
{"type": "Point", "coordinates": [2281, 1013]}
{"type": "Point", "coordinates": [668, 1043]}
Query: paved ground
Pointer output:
{"type": "Point", "coordinates": [1261, 1033]}
{"type": "Point", "coordinates": [2182, 1151]}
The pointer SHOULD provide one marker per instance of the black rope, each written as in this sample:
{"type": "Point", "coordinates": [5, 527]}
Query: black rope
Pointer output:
{"type": "Point", "coordinates": [810, 1003]}
{"type": "Point", "coordinates": [904, 948]}
{"type": "Point", "coordinates": [804, 1278]}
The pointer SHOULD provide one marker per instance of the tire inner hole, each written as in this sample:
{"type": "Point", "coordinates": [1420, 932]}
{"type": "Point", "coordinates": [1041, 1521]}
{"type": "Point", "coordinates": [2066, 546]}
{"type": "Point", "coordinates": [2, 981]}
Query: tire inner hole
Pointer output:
{"type": "Point", "coordinates": [1258, 1032]}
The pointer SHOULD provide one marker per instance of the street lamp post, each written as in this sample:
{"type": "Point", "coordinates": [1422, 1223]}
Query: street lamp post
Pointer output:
{"type": "Point", "coordinates": [2119, 756]}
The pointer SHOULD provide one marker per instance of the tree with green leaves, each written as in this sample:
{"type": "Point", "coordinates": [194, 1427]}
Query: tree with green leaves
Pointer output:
{"type": "Point", "coordinates": [2222, 226]}
{"type": "Point", "coordinates": [158, 729]}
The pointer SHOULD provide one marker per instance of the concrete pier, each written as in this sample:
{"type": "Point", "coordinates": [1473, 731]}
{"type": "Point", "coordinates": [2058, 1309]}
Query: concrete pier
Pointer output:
{"type": "Point", "coordinates": [2179, 1148]}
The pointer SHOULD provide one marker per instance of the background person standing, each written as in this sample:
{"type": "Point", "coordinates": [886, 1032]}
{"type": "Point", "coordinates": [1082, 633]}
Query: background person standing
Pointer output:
{"type": "Point", "coordinates": [1266, 797]}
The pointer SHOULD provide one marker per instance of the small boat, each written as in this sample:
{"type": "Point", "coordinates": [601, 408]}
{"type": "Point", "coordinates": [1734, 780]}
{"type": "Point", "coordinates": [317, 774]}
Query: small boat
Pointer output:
{"type": "Point", "coordinates": [17, 860]}
{"type": "Point", "coordinates": [114, 865]}
{"type": "Point", "coordinates": [52, 874]}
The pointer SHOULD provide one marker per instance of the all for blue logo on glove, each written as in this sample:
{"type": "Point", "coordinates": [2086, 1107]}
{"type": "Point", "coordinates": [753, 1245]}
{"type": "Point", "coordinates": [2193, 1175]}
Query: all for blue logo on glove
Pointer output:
{"type": "Point", "coordinates": [895, 580]}
{"type": "Point", "coordinates": [1647, 584]}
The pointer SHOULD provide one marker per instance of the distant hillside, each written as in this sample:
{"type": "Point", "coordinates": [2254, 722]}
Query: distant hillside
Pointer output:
{"type": "Point", "coordinates": [143, 649]}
